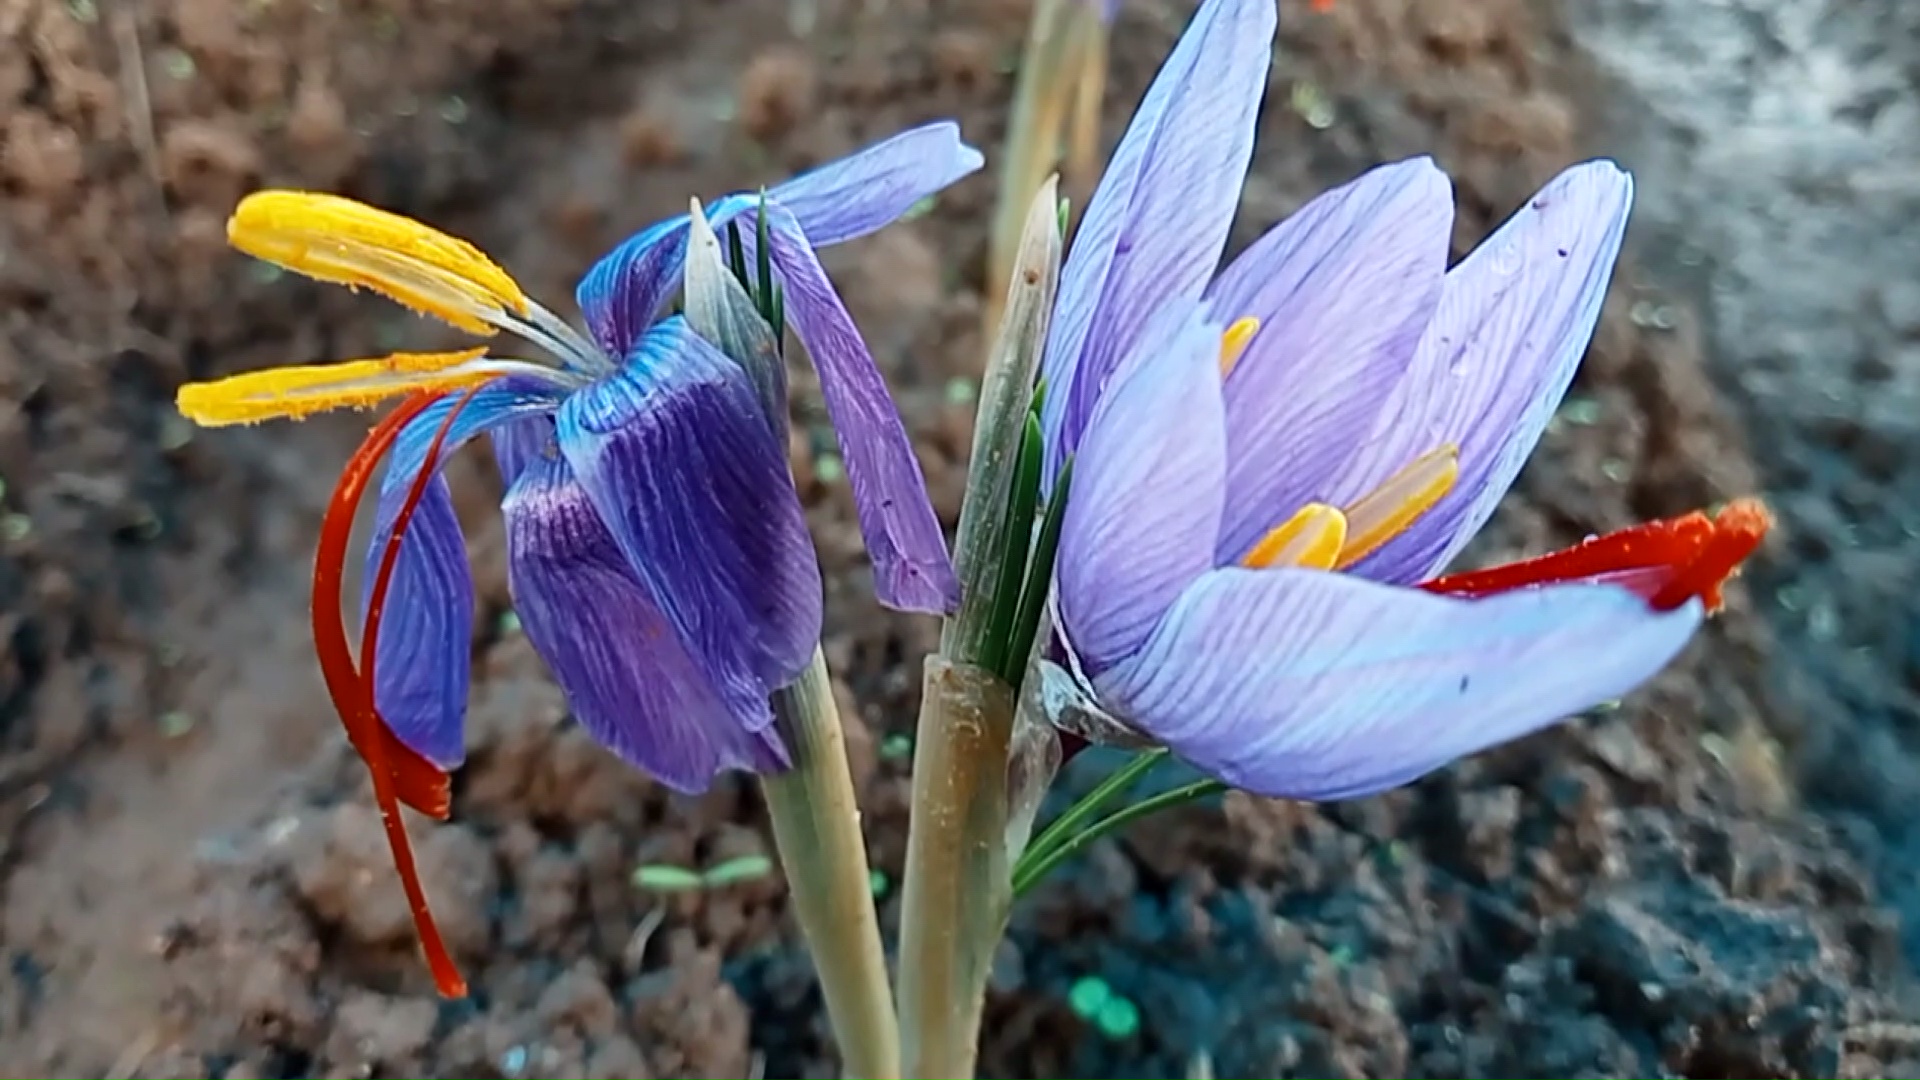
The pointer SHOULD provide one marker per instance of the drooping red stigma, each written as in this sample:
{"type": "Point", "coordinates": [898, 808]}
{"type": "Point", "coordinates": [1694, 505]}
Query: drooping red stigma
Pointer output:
{"type": "Point", "coordinates": [1668, 562]}
{"type": "Point", "coordinates": [399, 773]}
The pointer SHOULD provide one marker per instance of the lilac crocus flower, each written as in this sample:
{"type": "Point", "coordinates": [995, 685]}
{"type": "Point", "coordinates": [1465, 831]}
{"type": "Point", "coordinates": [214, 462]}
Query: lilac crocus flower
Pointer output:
{"type": "Point", "coordinates": [1266, 463]}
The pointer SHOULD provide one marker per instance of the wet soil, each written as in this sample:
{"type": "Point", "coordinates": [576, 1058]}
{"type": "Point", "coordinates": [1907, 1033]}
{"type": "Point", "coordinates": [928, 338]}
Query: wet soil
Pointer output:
{"type": "Point", "coordinates": [1711, 880]}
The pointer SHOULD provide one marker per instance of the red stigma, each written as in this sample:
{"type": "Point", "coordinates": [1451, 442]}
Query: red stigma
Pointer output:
{"type": "Point", "coordinates": [400, 774]}
{"type": "Point", "coordinates": [1667, 562]}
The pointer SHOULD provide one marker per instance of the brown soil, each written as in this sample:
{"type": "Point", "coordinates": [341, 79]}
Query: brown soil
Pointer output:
{"type": "Point", "coordinates": [194, 882]}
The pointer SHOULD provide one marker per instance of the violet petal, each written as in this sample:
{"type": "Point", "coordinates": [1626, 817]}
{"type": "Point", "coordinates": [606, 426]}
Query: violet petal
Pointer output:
{"type": "Point", "coordinates": [1145, 501]}
{"type": "Point", "coordinates": [1513, 322]}
{"type": "Point", "coordinates": [1343, 290]}
{"type": "Point", "coordinates": [871, 188]}
{"type": "Point", "coordinates": [1156, 225]}
{"type": "Point", "coordinates": [911, 568]}
{"type": "Point", "coordinates": [1308, 685]}
{"type": "Point", "coordinates": [619, 660]}
{"type": "Point", "coordinates": [423, 658]}
{"type": "Point", "coordinates": [679, 457]}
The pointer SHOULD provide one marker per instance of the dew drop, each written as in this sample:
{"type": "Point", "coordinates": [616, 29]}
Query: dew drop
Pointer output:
{"type": "Point", "coordinates": [1507, 258]}
{"type": "Point", "coordinates": [1458, 369]}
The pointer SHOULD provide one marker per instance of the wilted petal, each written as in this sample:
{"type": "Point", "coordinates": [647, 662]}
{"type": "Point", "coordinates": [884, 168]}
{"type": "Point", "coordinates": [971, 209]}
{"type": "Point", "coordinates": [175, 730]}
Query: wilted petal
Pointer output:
{"type": "Point", "coordinates": [423, 658]}
{"type": "Point", "coordinates": [865, 191]}
{"type": "Point", "coordinates": [625, 673]}
{"type": "Point", "coordinates": [1513, 322]}
{"type": "Point", "coordinates": [1144, 502]}
{"type": "Point", "coordinates": [911, 570]}
{"type": "Point", "coordinates": [681, 462]}
{"type": "Point", "coordinates": [1342, 289]}
{"type": "Point", "coordinates": [1157, 223]}
{"type": "Point", "coordinates": [1307, 685]}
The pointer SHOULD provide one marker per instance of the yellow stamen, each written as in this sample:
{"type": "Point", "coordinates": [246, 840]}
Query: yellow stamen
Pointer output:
{"type": "Point", "coordinates": [1310, 539]}
{"type": "Point", "coordinates": [1233, 343]}
{"type": "Point", "coordinates": [294, 392]}
{"type": "Point", "coordinates": [350, 243]}
{"type": "Point", "coordinates": [1386, 511]}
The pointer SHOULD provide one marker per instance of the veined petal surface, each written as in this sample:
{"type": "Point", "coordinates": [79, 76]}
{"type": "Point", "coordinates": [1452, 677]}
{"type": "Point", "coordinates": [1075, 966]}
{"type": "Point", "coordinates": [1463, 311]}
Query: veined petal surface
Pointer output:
{"type": "Point", "coordinates": [680, 460]}
{"type": "Point", "coordinates": [626, 675]}
{"type": "Point", "coordinates": [911, 568]}
{"type": "Point", "coordinates": [1513, 322]}
{"type": "Point", "coordinates": [1342, 290]}
{"type": "Point", "coordinates": [1309, 685]}
{"type": "Point", "coordinates": [1145, 502]}
{"type": "Point", "coordinates": [423, 660]}
{"type": "Point", "coordinates": [871, 188]}
{"type": "Point", "coordinates": [1156, 225]}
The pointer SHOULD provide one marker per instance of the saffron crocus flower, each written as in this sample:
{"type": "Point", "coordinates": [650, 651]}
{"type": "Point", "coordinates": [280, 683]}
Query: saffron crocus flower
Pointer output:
{"type": "Point", "coordinates": [1269, 467]}
{"type": "Point", "coordinates": [658, 554]}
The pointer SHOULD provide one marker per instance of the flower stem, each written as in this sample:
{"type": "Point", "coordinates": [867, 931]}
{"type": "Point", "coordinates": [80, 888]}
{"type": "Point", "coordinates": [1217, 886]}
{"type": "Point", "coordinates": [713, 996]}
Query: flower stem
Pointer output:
{"type": "Point", "coordinates": [816, 825]}
{"type": "Point", "coordinates": [955, 898]}
{"type": "Point", "coordinates": [1032, 870]}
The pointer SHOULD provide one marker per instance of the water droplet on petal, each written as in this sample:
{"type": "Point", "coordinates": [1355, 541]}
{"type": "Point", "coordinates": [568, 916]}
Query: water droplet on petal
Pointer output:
{"type": "Point", "coordinates": [1507, 258]}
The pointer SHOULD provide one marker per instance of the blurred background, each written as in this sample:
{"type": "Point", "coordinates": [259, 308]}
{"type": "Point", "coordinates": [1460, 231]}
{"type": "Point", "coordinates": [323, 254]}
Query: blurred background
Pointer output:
{"type": "Point", "coordinates": [1716, 879]}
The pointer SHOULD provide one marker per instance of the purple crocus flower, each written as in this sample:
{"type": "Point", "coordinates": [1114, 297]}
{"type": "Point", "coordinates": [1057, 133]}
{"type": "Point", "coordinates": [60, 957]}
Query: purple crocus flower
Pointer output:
{"type": "Point", "coordinates": [663, 482]}
{"type": "Point", "coordinates": [658, 554]}
{"type": "Point", "coordinates": [1266, 462]}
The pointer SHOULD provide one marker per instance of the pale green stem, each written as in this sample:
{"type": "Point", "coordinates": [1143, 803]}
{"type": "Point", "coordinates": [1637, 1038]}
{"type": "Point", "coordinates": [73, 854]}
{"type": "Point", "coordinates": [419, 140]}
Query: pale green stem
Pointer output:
{"type": "Point", "coordinates": [816, 824]}
{"type": "Point", "coordinates": [958, 887]}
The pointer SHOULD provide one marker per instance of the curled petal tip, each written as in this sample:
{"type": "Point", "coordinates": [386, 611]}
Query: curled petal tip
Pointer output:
{"type": "Point", "coordinates": [350, 243]}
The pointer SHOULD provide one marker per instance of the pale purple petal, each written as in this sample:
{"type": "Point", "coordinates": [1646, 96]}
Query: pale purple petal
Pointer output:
{"type": "Point", "coordinates": [1308, 685]}
{"type": "Point", "coordinates": [868, 190]}
{"type": "Point", "coordinates": [1342, 289]}
{"type": "Point", "coordinates": [911, 570]}
{"type": "Point", "coordinates": [620, 662]}
{"type": "Point", "coordinates": [1514, 320]}
{"type": "Point", "coordinates": [423, 658]}
{"type": "Point", "coordinates": [679, 457]}
{"type": "Point", "coordinates": [1147, 490]}
{"type": "Point", "coordinates": [1156, 225]}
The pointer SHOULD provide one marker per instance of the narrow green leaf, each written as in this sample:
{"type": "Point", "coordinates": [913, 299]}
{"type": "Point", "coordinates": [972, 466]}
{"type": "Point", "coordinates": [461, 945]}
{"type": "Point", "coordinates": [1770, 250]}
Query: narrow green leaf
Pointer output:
{"type": "Point", "coordinates": [1022, 501]}
{"type": "Point", "coordinates": [763, 259]}
{"type": "Point", "coordinates": [737, 255]}
{"type": "Point", "coordinates": [1033, 596]}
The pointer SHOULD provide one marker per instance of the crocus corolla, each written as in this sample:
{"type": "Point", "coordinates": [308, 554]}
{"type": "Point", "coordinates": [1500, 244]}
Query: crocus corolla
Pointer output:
{"type": "Point", "coordinates": [1270, 466]}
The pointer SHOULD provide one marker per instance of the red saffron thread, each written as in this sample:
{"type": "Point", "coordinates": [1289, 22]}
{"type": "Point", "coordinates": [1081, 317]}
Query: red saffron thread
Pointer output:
{"type": "Point", "coordinates": [1668, 562]}
{"type": "Point", "coordinates": [398, 772]}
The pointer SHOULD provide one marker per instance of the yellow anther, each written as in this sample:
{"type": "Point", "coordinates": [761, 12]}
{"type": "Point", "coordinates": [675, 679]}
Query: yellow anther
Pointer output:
{"type": "Point", "coordinates": [1386, 511]}
{"type": "Point", "coordinates": [1310, 539]}
{"type": "Point", "coordinates": [1233, 343]}
{"type": "Point", "coordinates": [294, 392]}
{"type": "Point", "coordinates": [350, 243]}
